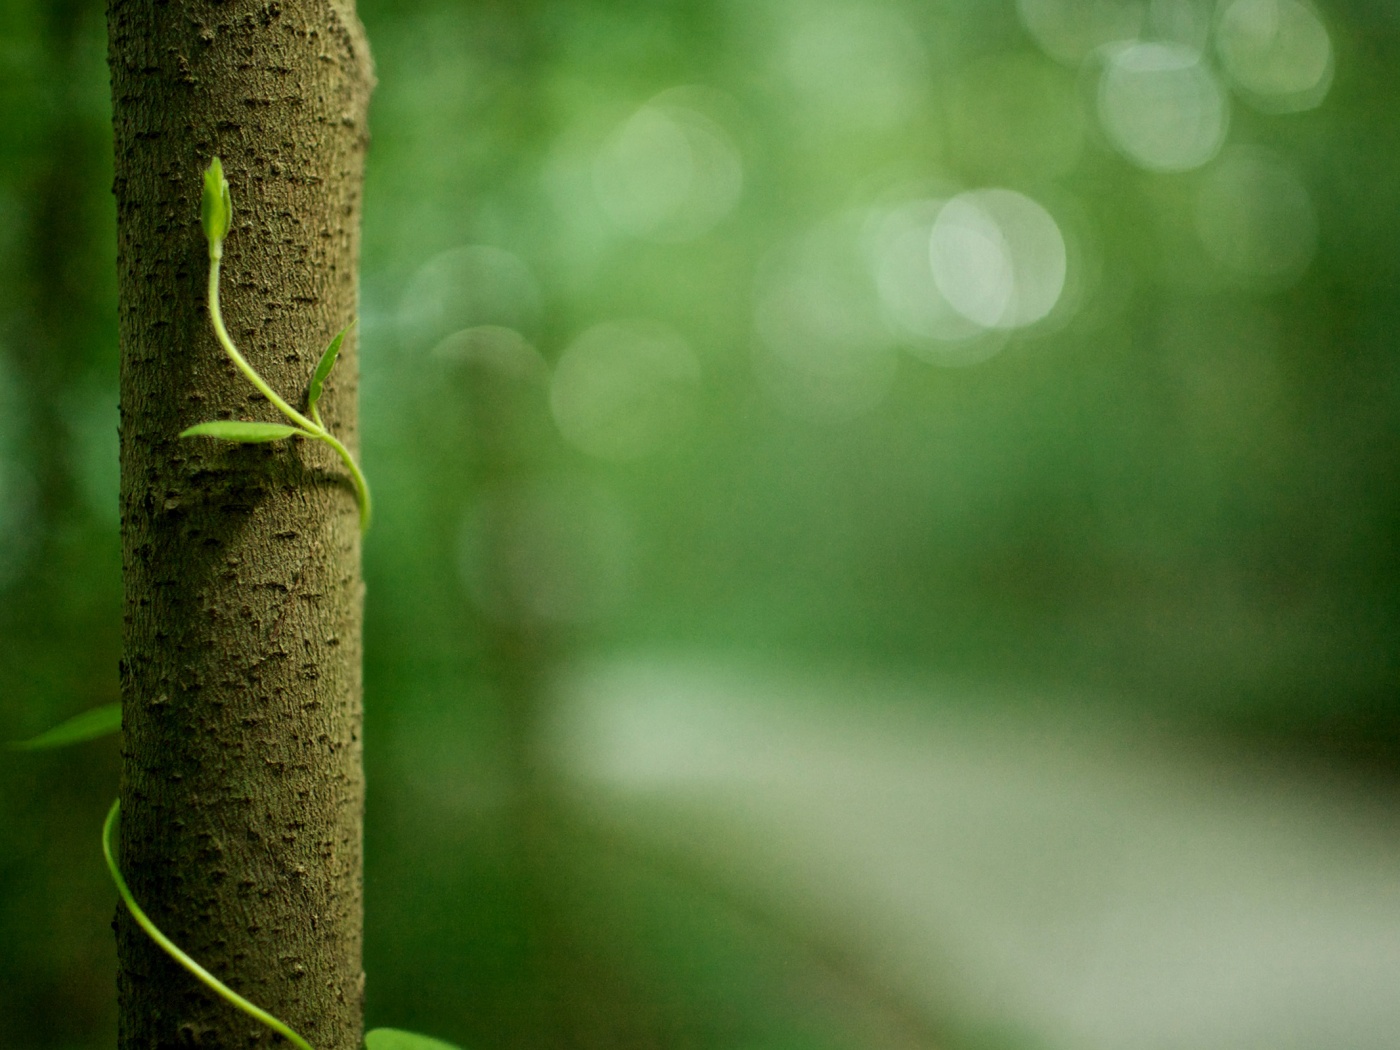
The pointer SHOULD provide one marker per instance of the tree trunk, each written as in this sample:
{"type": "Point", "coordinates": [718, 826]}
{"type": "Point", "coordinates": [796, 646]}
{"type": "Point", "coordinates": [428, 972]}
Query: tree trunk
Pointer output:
{"type": "Point", "coordinates": [242, 793]}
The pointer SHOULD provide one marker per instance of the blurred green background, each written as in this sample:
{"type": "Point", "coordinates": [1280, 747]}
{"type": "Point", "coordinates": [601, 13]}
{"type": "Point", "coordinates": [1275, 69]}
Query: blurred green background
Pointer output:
{"type": "Point", "coordinates": [791, 421]}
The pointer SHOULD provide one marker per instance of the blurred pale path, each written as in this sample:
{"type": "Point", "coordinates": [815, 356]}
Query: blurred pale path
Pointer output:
{"type": "Point", "coordinates": [1094, 886]}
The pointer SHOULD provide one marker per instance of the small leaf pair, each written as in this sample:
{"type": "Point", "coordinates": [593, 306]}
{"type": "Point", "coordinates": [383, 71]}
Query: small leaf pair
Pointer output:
{"type": "Point", "coordinates": [246, 432]}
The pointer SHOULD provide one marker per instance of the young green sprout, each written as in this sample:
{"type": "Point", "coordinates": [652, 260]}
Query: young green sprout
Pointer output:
{"type": "Point", "coordinates": [217, 218]}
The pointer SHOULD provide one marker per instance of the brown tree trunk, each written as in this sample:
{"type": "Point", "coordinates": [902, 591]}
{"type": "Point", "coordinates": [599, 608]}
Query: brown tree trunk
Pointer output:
{"type": "Point", "coordinates": [242, 791]}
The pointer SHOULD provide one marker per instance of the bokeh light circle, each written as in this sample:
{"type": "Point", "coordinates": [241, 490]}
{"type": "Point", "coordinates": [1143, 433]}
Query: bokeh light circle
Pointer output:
{"type": "Point", "coordinates": [998, 258]}
{"type": "Point", "coordinates": [910, 300]}
{"type": "Point", "coordinates": [464, 287]}
{"type": "Point", "coordinates": [1277, 53]}
{"type": "Point", "coordinates": [667, 173]}
{"type": "Point", "coordinates": [1069, 30]}
{"type": "Point", "coordinates": [497, 348]}
{"type": "Point", "coordinates": [1256, 219]}
{"type": "Point", "coordinates": [624, 388]}
{"type": "Point", "coordinates": [823, 350]}
{"type": "Point", "coordinates": [857, 66]}
{"type": "Point", "coordinates": [1162, 107]}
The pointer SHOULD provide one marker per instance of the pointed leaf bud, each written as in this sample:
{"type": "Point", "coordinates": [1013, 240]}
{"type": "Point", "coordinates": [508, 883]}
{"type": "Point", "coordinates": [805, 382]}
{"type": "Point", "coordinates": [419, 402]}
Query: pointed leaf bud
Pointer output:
{"type": "Point", "coordinates": [217, 207]}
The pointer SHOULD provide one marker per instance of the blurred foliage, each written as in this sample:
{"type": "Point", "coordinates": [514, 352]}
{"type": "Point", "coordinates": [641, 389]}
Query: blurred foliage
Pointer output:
{"type": "Point", "coordinates": [642, 369]}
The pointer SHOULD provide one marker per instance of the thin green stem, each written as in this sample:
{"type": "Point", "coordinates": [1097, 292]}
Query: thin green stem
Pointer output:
{"type": "Point", "coordinates": [203, 975]}
{"type": "Point", "coordinates": [216, 315]}
{"type": "Point", "coordinates": [357, 476]}
{"type": "Point", "coordinates": [312, 428]}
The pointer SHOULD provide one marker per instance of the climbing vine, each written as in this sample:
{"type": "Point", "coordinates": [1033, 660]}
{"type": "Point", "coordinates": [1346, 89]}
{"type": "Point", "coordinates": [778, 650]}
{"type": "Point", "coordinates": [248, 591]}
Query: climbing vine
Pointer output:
{"type": "Point", "coordinates": [217, 216]}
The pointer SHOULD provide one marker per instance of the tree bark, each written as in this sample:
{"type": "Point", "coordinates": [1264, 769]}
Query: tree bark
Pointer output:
{"type": "Point", "coordinates": [242, 792]}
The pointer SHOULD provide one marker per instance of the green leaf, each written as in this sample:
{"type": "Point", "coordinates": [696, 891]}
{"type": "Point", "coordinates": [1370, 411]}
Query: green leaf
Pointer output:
{"type": "Point", "coordinates": [99, 722]}
{"type": "Point", "coordinates": [397, 1039]}
{"type": "Point", "coordinates": [217, 206]}
{"type": "Point", "coordinates": [324, 366]}
{"type": "Point", "coordinates": [238, 430]}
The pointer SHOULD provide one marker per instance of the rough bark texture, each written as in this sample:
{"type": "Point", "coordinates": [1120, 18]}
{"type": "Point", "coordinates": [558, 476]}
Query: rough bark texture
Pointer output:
{"type": "Point", "coordinates": [242, 791]}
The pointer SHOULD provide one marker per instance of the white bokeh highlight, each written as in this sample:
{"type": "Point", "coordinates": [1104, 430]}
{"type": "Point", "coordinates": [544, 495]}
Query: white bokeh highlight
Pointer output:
{"type": "Point", "coordinates": [909, 296]}
{"type": "Point", "coordinates": [669, 172]}
{"type": "Point", "coordinates": [1277, 53]}
{"type": "Point", "coordinates": [1162, 106]}
{"type": "Point", "coordinates": [998, 258]}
